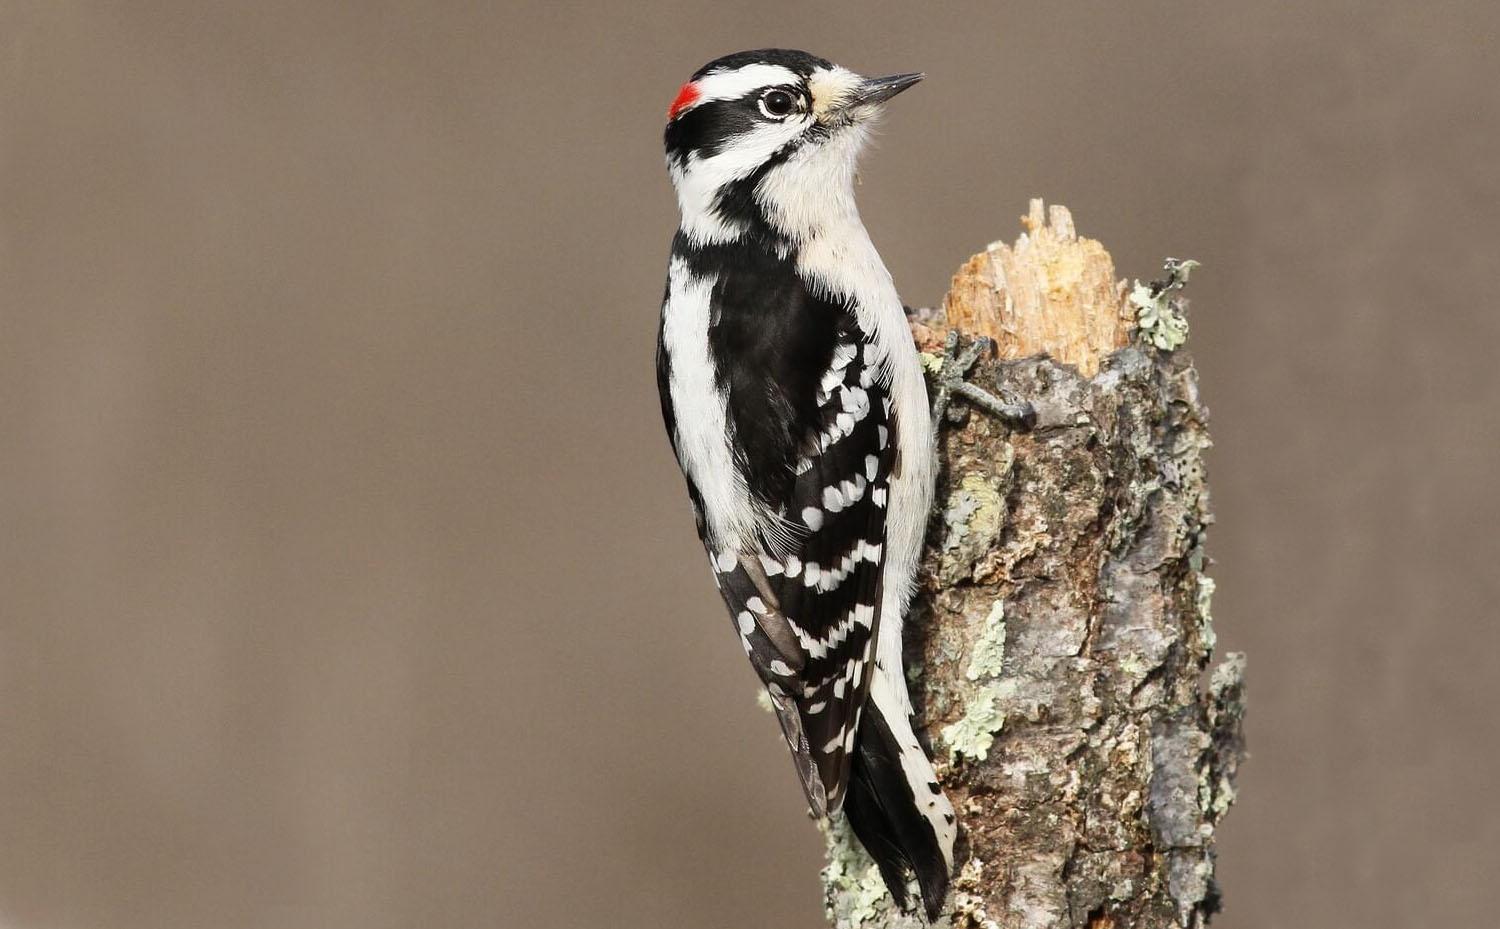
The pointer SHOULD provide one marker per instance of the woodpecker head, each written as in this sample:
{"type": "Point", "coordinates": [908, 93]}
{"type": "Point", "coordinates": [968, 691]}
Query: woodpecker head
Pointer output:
{"type": "Point", "coordinates": [767, 141]}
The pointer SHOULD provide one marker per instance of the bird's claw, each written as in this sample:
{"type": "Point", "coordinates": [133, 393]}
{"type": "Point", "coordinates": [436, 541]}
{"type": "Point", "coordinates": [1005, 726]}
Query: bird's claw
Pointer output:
{"type": "Point", "coordinates": [951, 382]}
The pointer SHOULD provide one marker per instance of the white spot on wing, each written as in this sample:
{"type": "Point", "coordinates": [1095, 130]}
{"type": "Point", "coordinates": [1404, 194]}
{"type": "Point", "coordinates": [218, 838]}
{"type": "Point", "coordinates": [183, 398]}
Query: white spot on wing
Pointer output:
{"type": "Point", "coordinates": [833, 500]}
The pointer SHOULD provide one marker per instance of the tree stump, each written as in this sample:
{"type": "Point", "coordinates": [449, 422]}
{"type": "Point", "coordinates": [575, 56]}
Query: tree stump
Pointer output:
{"type": "Point", "coordinates": [1059, 647]}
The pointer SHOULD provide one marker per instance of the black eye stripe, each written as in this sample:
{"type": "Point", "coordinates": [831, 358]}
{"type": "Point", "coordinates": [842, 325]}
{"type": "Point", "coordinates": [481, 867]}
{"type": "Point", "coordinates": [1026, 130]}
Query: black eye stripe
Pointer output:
{"type": "Point", "coordinates": [712, 125]}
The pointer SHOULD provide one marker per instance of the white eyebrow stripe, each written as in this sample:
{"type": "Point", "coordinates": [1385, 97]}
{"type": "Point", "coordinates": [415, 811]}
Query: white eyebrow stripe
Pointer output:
{"type": "Point", "coordinates": [731, 85]}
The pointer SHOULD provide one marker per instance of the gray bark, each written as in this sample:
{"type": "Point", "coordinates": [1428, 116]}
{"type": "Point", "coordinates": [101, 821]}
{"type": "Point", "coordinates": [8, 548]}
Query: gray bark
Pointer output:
{"type": "Point", "coordinates": [1059, 652]}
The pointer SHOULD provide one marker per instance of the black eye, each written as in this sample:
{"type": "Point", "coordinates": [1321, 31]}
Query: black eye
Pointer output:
{"type": "Point", "coordinates": [776, 103]}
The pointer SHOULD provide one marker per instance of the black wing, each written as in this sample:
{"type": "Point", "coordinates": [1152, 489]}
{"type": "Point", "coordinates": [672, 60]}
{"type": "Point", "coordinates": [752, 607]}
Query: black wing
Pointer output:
{"type": "Point", "coordinates": [806, 603]}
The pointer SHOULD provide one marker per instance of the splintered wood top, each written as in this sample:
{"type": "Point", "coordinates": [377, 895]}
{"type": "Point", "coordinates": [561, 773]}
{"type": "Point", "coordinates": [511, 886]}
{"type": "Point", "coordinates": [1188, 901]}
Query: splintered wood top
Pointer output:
{"type": "Point", "coordinates": [1051, 293]}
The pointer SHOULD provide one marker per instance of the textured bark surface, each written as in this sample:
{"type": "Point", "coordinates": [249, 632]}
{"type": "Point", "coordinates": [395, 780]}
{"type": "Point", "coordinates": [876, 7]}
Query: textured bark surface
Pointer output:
{"type": "Point", "coordinates": [1060, 647]}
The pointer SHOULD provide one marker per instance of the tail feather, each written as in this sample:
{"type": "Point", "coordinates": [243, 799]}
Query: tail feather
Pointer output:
{"type": "Point", "coordinates": [895, 806]}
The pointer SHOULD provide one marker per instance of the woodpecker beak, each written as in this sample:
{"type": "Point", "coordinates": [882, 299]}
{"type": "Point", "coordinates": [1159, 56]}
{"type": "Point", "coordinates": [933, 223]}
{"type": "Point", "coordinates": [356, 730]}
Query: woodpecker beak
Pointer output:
{"type": "Point", "coordinates": [875, 90]}
{"type": "Point", "coordinates": [841, 97]}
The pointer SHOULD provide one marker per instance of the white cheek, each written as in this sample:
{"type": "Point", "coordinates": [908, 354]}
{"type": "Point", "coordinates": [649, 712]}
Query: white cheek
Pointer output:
{"type": "Point", "coordinates": [744, 153]}
{"type": "Point", "coordinates": [699, 184]}
{"type": "Point", "coordinates": [769, 137]}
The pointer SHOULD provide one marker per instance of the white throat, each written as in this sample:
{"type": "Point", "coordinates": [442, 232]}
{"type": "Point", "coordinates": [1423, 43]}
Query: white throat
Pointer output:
{"type": "Point", "coordinates": [811, 194]}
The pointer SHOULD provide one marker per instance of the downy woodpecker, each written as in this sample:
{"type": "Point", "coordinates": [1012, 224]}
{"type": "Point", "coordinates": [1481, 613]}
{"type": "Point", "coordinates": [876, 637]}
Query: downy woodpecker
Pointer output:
{"type": "Point", "coordinates": [795, 403]}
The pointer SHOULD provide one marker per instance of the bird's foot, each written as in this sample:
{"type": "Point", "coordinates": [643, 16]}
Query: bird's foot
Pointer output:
{"type": "Point", "coordinates": [951, 382]}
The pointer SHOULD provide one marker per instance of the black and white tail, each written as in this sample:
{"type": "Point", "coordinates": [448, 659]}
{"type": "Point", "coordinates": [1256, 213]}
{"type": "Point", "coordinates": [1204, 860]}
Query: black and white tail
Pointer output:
{"type": "Point", "coordinates": [895, 805]}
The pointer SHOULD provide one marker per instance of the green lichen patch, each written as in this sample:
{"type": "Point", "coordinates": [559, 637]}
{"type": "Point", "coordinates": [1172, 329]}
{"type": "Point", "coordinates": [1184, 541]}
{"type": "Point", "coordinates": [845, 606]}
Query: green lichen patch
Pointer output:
{"type": "Point", "coordinates": [975, 732]}
{"type": "Point", "coordinates": [989, 649]}
{"type": "Point", "coordinates": [973, 517]}
{"type": "Point", "coordinates": [975, 507]}
{"type": "Point", "coordinates": [1158, 309]}
{"type": "Point", "coordinates": [968, 897]}
{"type": "Point", "coordinates": [1206, 587]}
{"type": "Point", "coordinates": [1216, 797]}
{"type": "Point", "coordinates": [983, 717]}
{"type": "Point", "coordinates": [854, 894]}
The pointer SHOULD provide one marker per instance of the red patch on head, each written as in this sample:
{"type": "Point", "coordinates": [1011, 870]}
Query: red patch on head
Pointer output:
{"type": "Point", "coordinates": [686, 97]}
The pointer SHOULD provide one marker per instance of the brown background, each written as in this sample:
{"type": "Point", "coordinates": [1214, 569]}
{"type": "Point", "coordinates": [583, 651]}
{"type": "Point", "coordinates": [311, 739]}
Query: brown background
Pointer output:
{"type": "Point", "coordinates": [345, 576]}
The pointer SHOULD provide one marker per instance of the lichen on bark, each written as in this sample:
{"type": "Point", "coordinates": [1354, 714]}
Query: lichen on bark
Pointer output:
{"type": "Point", "coordinates": [1061, 640]}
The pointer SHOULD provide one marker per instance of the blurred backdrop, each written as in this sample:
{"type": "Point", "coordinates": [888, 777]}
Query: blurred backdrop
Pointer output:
{"type": "Point", "coordinates": [346, 578]}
